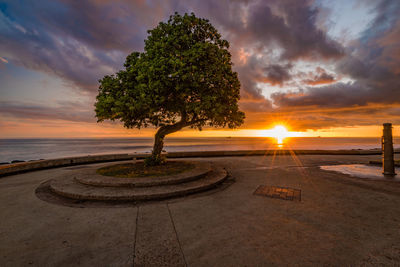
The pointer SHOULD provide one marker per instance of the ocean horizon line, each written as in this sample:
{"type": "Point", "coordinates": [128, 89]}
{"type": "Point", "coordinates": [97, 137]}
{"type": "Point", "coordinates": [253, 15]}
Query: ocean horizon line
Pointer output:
{"type": "Point", "coordinates": [44, 148]}
{"type": "Point", "coordinates": [188, 137]}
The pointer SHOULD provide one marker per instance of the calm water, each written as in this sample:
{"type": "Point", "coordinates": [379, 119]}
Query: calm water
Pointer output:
{"type": "Point", "coordinates": [31, 149]}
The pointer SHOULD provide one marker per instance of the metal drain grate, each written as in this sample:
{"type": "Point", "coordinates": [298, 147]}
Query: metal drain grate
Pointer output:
{"type": "Point", "coordinates": [278, 192]}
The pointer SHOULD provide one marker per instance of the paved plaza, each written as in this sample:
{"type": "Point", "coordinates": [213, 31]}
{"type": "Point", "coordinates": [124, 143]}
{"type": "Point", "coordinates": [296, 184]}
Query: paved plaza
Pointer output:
{"type": "Point", "coordinates": [339, 220]}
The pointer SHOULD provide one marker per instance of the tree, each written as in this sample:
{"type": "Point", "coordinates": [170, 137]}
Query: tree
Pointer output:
{"type": "Point", "coordinates": [183, 78]}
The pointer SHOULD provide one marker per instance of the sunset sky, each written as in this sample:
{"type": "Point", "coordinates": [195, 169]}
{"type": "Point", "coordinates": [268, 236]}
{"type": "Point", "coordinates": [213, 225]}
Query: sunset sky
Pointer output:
{"type": "Point", "coordinates": [325, 68]}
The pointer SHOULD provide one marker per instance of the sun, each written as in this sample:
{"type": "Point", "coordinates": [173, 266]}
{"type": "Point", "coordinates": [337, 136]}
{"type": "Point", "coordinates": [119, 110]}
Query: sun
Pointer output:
{"type": "Point", "coordinates": [280, 133]}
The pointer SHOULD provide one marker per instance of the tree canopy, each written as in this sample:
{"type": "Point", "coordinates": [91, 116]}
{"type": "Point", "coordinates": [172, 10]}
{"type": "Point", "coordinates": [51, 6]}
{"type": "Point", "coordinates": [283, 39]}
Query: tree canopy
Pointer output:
{"type": "Point", "coordinates": [184, 78]}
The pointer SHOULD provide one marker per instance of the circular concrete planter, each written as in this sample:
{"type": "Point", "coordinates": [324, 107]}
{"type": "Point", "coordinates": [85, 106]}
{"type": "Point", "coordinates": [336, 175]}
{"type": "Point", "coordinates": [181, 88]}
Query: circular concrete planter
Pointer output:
{"type": "Point", "coordinates": [90, 177]}
{"type": "Point", "coordinates": [87, 185]}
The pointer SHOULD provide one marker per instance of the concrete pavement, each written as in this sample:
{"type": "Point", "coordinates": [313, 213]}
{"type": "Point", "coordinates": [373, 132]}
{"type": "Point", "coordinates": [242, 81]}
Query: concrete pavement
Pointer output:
{"type": "Point", "coordinates": [340, 220]}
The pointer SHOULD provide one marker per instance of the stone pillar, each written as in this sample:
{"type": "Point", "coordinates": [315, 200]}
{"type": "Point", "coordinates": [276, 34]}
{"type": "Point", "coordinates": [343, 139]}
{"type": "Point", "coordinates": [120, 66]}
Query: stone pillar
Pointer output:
{"type": "Point", "coordinates": [387, 150]}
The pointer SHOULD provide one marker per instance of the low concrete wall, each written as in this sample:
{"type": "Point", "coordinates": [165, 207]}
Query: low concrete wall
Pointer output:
{"type": "Point", "coordinates": [11, 169]}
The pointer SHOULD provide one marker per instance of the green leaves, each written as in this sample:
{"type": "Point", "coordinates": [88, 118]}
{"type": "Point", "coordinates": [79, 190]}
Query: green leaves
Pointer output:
{"type": "Point", "coordinates": [185, 73]}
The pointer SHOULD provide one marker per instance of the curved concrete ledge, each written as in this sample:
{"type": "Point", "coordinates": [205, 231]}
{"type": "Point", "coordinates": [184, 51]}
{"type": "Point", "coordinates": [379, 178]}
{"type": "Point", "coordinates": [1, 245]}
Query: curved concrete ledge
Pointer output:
{"type": "Point", "coordinates": [69, 188]}
{"type": "Point", "coordinates": [90, 177]}
{"type": "Point", "coordinates": [11, 169]}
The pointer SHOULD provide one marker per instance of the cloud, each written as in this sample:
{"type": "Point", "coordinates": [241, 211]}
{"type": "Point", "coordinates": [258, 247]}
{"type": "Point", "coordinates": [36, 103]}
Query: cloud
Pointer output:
{"type": "Point", "coordinates": [256, 105]}
{"type": "Point", "coordinates": [81, 41]}
{"type": "Point", "coordinates": [266, 38]}
{"type": "Point", "coordinates": [321, 77]}
{"type": "Point", "coordinates": [66, 111]}
{"type": "Point", "coordinates": [277, 74]}
{"type": "Point", "coordinates": [293, 28]}
{"type": "Point", "coordinates": [77, 41]}
{"type": "Point", "coordinates": [3, 60]}
{"type": "Point", "coordinates": [335, 95]}
{"type": "Point", "coordinates": [304, 118]}
{"type": "Point", "coordinates": [371, 63]}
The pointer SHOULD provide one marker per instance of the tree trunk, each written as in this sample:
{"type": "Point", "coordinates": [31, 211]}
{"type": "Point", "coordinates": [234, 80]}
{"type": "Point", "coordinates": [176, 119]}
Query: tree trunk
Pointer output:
{"type": "Point", "coordinates": [159, 140]}
{"type": "Point", "coordinates": [158, 145]}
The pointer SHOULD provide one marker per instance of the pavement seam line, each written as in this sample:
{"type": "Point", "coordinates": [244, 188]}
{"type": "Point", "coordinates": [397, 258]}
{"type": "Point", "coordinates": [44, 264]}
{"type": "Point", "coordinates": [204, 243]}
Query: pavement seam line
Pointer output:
{"type": "Point", "coordinates": [176, 233]}
{"type": "Point", "coordinates": [134, 243]}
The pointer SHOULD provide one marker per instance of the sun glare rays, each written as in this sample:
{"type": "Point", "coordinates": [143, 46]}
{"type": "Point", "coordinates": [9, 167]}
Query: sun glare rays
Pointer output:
{"type": "Point", "coordinates": [279, 132]}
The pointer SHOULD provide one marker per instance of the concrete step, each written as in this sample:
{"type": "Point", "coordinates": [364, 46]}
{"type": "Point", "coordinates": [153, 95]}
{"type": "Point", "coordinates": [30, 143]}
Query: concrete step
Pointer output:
{"type": "Point", "coordinates": [70, 188]}
{"type": "Point", "coordinates": [90, 177]}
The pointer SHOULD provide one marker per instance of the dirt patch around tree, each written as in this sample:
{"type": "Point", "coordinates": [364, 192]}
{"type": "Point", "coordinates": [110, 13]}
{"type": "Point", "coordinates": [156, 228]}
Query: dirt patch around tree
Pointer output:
{"type": "Point", "coordinates": [138, 169]}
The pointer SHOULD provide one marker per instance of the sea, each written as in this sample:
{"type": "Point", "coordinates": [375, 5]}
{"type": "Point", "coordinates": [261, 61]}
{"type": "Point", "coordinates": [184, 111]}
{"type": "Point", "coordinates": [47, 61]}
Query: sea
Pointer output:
{"type": "Point", "coordinates": [35, 149]}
